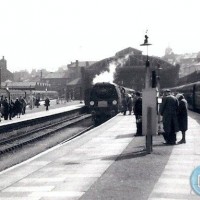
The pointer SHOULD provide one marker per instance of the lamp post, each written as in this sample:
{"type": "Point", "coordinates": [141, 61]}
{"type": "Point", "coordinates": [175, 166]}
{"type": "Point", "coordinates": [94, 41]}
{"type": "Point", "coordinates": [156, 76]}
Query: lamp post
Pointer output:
{"type": "Point", "coordinates": [147, 103]}
{"type": "Point", "coordinates": [147, 64]}
{"type": "Point", "coordinates": [158, 77]}
{"type": "Point", "coordinates": [159, 99]}
{"type": "Point", "coordinates": [46, 91]}
{"type": "Point", "coordinates": [8, 92]}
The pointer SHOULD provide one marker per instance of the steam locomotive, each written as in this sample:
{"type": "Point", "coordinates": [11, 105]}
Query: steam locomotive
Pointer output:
{"type": "Point", "coordinates": [105, 100]}
{"type": "Point", "coordinates": [191, 93]}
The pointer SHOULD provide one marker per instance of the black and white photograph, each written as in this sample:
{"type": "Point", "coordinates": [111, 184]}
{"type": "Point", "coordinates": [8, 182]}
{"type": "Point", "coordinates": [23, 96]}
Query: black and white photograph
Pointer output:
{"type": "Point", "coordinates": [99, 100]}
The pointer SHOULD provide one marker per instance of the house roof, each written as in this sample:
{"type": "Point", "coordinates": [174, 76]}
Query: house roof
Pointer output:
{"type": "Point", "coordinates": [53, 75]}
{"type": "Point", "coordinates": [81, 63]}
{"type": "Point", "coordinates": [19, 85]}
{"type": "Point", "coordinates": [23, 85]}
{"type": "Point", "coordinates": [76, 81]}
{"type": "Point", "coordinates": [187, 56]}
{"type": "Point", "coordinates": [128, 50]}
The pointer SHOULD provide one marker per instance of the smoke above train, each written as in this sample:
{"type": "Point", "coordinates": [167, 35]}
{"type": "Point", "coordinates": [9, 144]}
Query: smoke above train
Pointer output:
{"type": "Point", "coordinates": [108, 76]}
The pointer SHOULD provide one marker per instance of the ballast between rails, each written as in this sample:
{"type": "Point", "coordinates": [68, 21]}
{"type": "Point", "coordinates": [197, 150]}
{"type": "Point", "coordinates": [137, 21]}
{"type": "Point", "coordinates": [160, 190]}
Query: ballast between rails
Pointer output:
{"type": "Point", "coordinates": [35, 131]}
{"type": "Point", "coordinates": [34, 122]}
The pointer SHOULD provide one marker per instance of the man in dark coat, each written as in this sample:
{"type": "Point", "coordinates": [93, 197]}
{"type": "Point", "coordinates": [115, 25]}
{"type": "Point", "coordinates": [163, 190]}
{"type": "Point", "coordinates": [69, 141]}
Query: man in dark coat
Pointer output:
{"type": "Point", "coordinates": [182, 117]}
{"type": "Point", "coordinates": [18, 107]}
{"type": "Point", "coordinates": [168, 110]}
{"type": "Point", "coordinates": [124, 104]}
{"type": "Point", "coordinates": [5, 108]}
{"type": "Point", "coordinates": [47, 103]}
{"type": "Point", "coordinates": [138, 113]}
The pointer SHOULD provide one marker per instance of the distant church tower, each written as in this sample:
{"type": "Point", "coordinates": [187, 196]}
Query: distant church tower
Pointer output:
{"type": "Point", "coordinates": [3, 63]}
{"type": "Point", "coordinates": [5, 74]}
{"type": "Point", "coordinates": [168, 51]}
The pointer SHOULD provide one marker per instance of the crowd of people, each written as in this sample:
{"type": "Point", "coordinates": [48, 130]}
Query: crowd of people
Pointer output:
{"type": "Point", "coordinates": [11, 108]}
{"type": "Point", "coordinates": [133, 103]}
{"type": "Point", "coordinates": [173, 110]}
{"type": "Point", "coordinates": [15, 108]}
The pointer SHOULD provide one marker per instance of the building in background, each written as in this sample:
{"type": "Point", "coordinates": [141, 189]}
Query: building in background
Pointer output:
{"type": "Point", "coordinates": [189, 65]}
{"type": "Point", "coordinates": [5, 74]}
{"type": "Point", "coordinates": [75, 84]}
{"type": "Point", "coordinates": [57, 80]}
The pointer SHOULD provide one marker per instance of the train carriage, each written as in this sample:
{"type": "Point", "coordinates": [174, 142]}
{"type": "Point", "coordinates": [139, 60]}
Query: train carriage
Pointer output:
{"type": "Point", "coordinates": [191, 92]}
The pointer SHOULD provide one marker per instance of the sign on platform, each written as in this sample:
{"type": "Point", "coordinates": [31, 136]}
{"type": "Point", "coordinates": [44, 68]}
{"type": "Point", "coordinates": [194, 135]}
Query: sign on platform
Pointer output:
{"type": "Point", "coordinates": [149, 111]}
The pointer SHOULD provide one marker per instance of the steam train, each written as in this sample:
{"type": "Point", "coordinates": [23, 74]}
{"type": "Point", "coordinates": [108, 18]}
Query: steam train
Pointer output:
{"type": "Point", "coordinates": [105, 100]}
{"type": "Point", "coordinates": [191, 93]}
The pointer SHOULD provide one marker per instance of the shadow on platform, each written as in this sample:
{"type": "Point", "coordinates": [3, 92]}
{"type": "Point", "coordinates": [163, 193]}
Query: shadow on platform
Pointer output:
{"type": "Point", "coordinates": [125, 156]}
{"type": "Point", "coordinates": [131, 135]}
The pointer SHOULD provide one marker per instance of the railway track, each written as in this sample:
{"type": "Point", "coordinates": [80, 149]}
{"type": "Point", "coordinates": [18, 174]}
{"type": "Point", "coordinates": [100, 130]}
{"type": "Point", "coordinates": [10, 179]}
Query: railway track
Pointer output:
{"type": "Point", "coordinates": [19, 139]}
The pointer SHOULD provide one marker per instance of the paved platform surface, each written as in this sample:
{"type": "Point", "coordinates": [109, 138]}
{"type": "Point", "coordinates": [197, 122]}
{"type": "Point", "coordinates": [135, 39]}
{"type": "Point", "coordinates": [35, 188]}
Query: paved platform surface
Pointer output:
{"type": "Point", "coordinates": [108, 163]}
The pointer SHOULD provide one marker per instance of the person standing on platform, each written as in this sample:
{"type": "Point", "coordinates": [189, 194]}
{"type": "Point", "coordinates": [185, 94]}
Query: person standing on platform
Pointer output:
{"type": "Point", "coordinates": [1, 107]}
{"type": "Point", "coordinates": [138, 113]}
{"type": "Point", "coordinates": [11, 109]}
{"type": "Point", "coordinates": [18, 107]}
{"type": "Point", "coordinates": [23, 102]}
{"type": "Point", "coordinates": [182, 117]}
{"type": "Point", "coordinates": [124, 104]}
{"type": "Point", "coordinates": [5, 108]}
{"type": "Point", "coordinates": [130, 104]}
{"type": "Point", "coordinates": [47, 103]}
{"type": "Point", "coordinates": [169, 109]}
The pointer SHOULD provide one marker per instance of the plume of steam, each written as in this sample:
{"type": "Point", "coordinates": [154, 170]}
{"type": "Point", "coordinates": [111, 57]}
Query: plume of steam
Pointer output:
{"type": "Point", "coordinates": [108, 76]}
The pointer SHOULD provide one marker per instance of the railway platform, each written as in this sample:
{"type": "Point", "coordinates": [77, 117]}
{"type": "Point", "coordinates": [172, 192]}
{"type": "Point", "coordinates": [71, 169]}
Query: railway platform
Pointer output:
{"type": "Point", "coordinates": [108, 162]}
{"type": "Point", "coordinates": [41, 111]}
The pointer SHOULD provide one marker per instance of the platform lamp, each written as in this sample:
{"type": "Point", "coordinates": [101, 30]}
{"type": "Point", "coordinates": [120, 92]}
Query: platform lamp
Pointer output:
{"type": "Point", "coordinates": [159, 98]}
{"type": "Point", "coordinates": [8, 92]}
{"type": "Point", "coordinates": [147, 64]}
{"type": "Point", "coordinates": [46, 91]}
{"type": "Point", "coordinates": [147, 86]}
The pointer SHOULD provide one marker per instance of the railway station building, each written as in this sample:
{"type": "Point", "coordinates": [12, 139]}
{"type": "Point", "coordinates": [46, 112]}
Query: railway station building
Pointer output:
{"type": "Point", "coordinates": [130, 69]}
{"type": "Point", "coordinates": [74, 84]}
{"type": "Point", "coordinates": [68, 82]}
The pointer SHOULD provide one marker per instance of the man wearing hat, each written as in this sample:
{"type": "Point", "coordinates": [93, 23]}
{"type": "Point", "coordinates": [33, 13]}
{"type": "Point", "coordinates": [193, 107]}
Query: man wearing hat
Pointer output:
{"type": "Point", "coordinates": [168, 110]}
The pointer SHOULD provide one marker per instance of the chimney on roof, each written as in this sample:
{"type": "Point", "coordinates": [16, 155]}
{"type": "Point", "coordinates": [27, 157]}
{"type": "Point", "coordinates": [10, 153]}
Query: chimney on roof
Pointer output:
{"type": "Point", "coordinates": [41, 75]}
{"type": "Point", "coordinates": [87, 64]}
{"type": "Point", "coordinates": [76, 63]}
{"type": "Point", "coordinates": [3, 63]}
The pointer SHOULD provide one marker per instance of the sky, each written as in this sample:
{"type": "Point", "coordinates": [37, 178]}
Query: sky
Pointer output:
{"type": "Point", "coordinates": [36, 34]}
